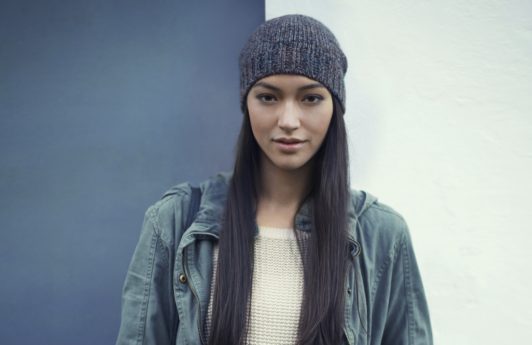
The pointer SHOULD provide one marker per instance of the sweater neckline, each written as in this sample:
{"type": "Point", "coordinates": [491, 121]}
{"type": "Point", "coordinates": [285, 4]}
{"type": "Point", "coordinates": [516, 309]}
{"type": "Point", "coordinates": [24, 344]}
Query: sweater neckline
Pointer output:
{"type": "Point", "coordinates": [276, 233]}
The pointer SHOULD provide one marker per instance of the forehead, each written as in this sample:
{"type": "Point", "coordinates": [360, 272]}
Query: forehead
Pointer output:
{"type": "Point", "coordinates": [287, 81]}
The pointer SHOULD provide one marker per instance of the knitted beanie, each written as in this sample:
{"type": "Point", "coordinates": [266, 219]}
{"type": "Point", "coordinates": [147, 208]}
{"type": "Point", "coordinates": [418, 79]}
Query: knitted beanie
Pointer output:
{"type": "Point", "coordinates": [293, 44]}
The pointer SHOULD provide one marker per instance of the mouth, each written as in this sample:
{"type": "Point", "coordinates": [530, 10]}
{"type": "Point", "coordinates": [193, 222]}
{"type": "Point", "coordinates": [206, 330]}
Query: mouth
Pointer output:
{"type": "Point", "coordinates": [288, 141]}
{"type": "Point", "coordinates": [289, 145]}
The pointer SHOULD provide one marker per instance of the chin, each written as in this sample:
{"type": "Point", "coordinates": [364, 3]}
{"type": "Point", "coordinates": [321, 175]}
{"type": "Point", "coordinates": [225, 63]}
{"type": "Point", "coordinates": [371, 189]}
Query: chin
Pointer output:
{"type": "Point", "coordinates": [289, 164]}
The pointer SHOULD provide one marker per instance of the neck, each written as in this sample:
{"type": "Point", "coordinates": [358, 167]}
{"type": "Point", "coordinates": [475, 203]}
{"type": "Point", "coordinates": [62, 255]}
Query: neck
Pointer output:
{"type": "Point", "coordinates": [281, 192]}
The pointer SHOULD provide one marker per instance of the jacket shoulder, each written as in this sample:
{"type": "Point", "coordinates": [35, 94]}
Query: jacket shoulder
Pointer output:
{"type": "Point", "coordinates": [169, 213]}
{"type": "Point", "coordinates": [379, 226]}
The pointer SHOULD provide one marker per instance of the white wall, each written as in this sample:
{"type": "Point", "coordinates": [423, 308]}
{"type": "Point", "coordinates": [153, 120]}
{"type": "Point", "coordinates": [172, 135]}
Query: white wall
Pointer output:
{"type": "Point", "coordinates": [439, 112]}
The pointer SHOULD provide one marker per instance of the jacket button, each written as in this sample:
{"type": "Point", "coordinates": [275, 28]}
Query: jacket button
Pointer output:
{"type": "Point", "coordinates": [182, 278]}
{"type": "Point", "coordinates": [349, 291]}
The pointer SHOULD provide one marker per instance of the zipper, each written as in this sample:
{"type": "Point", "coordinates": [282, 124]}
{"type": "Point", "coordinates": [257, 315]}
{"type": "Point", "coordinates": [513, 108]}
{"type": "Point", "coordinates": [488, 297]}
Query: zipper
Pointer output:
{"type": "Point", "coordinates": [193, 289]}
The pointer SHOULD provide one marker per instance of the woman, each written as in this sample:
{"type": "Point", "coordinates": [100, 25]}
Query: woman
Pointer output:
{"type": "Point", "coordinates": [280, 251]}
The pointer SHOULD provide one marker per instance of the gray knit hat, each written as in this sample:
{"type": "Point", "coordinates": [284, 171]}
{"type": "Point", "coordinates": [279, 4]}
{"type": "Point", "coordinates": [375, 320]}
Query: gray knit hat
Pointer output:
{"type": "Point", "coordinates": [293, 44]}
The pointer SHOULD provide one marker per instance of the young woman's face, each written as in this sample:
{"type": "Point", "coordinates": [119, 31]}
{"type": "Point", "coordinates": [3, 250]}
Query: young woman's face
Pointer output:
{"type": "Point", "coordinates": [289, 116]}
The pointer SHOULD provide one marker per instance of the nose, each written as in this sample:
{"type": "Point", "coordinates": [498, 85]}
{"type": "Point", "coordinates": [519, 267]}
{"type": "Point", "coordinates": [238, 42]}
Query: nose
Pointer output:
{"type": "Point", "coordinates": [289, 117]}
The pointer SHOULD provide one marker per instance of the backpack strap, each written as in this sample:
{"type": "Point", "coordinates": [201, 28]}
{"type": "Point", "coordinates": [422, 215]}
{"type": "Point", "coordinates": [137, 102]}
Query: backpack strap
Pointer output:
{"type": "Point", "coordinates": [193, 208]}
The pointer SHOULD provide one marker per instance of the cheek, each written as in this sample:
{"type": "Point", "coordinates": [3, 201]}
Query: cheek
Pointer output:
{"type": "Point", "coordinates": [322, 120]}
{"type": "Point", "coordinates": [257, 120]}
{"type": "Point", "coordinates": [320, 126]}
{"type": "Point", "coordinates": [259, 127]}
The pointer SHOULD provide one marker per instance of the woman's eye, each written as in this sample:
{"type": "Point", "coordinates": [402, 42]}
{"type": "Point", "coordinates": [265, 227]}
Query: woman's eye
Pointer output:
{"type": "Point", "coordinates": [266, 98]}
{"type": "Point", "coordinates": [312, 98]}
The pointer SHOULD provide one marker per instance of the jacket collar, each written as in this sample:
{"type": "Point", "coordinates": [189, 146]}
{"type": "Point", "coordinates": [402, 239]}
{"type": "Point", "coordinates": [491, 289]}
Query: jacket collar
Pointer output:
{"type": "Point", "coordinates": [360, 202]}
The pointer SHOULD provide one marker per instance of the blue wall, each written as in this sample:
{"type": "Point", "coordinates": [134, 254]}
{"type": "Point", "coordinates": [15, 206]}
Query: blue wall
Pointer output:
{"type": "Point", "coordinates": [103, 106]}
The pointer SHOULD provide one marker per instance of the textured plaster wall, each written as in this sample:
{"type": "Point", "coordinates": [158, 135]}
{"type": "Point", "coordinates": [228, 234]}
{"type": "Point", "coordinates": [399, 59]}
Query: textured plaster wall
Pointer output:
{"type": "Point", "coordinates": [439, 113]}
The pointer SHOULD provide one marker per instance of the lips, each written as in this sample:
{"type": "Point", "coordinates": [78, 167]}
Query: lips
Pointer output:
{"type": "Point", "coordinates": [288, 141]}
{"type": "Point", "coordinates": [289, 145]}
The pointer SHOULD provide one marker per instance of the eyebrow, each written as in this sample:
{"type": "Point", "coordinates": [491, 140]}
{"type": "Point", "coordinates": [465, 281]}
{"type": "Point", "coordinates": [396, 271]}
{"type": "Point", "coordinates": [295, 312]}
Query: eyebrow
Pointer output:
{"type": "Point", "coordinates": [274, 88]}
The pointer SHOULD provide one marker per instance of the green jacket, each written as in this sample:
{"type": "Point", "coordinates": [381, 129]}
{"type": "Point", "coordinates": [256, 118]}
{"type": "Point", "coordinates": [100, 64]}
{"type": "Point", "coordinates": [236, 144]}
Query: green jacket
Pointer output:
{"type": "Point", "coordinates": [166, 291]}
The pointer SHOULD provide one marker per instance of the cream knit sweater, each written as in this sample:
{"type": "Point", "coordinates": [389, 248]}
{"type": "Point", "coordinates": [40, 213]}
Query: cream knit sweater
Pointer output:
{"type": "Point", "coordinates": [277, 288]}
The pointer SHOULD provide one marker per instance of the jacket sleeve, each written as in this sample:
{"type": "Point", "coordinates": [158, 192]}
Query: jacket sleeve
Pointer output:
{"type": "Point", "coordinates": [149, 313]}
{"type": "Point", "coordinates": [407, 320]}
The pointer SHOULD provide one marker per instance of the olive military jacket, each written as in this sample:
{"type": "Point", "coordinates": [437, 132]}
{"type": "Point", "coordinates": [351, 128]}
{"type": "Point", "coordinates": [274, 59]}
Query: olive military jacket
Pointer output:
{"type": "Point", "coordinates": [167, 286]}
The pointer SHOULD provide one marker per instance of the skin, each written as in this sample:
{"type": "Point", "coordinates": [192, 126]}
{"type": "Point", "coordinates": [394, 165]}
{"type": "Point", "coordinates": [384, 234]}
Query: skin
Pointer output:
{"type": "Point", "coordinates": [286, 107]}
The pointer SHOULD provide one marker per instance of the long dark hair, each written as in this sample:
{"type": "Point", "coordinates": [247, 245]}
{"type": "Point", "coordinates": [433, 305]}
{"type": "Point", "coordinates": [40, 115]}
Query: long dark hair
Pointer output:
{"type": "Point", "coordinates": [324, 256]}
